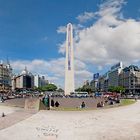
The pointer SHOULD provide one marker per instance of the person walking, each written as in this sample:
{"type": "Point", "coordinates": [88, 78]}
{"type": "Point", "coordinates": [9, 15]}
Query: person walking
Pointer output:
{"type": "Point", "coordinates": [52, 103]}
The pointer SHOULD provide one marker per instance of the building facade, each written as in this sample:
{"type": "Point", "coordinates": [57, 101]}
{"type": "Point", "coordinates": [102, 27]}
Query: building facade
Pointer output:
{"type": "Point", "coordinates": [103, 83]}
{"type": "Point", "coordinates": [113, 74]}
{"type": "Point", "coordinates": [23, 81]}
{"type": "Point", "coordinates": [39, 81]}
{"type": "Point", "coordinates": [5, 77]}
{"type": "Point", "coordinates": [129, 78]}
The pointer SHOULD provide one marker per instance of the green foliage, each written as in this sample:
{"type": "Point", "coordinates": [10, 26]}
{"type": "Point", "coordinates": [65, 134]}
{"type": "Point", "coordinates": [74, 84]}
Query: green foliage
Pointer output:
{"type": "Point", "coordinates": [118, 89]}
{"type": "Point", "coordinates": [127, 102]}
{"type": "Point", "coordinates": [60, 90]}
{"type": "Point", "coordinates": [78, 89]}
{"type": "Point", "coordinates": [49, 87]}
{"type": "Point", "coordinates": [85, 88]}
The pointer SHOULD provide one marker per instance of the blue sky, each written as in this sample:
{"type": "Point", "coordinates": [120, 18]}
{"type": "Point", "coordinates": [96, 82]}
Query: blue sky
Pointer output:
{"type": "Point", "coordinates": [28, 28]}
{"type": "Point", "coordinates": [32, 33]}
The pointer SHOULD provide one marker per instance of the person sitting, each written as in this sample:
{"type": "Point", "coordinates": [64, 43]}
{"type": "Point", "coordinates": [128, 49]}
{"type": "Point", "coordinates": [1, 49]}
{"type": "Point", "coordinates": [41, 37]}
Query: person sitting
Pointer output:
{"type": "Point", "coordinates": [52, 103]}
{"type": "Point", "coordinates": [106, 101]}
{"type": "Point", "coordinates": [111, 102]}
{"type": "Point", "coordinates": [83, 105]}
{"type": "Point", "coordinates": [118, 101]}
{"type": "Point", "coordinates": [99, 104]}
{"type": "Point", "coordinates": [57, 104]}
{"type": "Point", "coordinates": [102, 104]}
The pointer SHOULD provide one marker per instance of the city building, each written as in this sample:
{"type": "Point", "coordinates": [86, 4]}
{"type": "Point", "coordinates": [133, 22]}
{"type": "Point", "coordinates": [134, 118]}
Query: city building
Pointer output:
{"type": "Point", "coordinates": [129, 78]}
{"type": "Point", "coordinates": [103, 82]}
{"type": "Point", "coordinates": [69, 64]}
{"type": "Point", "coordinates": [39, 81]}
{"type": "Point", "coordinates": [113, 74]}
{"type": "Point", "coordinates": [5, 76]}
{"type": "Point", "coordinates": [23, 81]}
{"type": "Point", "coordinates": [94, 82]}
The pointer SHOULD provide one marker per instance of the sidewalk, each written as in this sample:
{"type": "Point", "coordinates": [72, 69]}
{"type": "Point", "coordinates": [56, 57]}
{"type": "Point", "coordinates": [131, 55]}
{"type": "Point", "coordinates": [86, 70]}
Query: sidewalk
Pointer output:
{"type": "Point", "coordinates": [15, 117]}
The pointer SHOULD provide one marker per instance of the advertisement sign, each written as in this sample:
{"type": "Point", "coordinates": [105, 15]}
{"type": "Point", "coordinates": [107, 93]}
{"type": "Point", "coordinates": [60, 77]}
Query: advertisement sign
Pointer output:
{"type": "Point", "coordinates": [95, 76]}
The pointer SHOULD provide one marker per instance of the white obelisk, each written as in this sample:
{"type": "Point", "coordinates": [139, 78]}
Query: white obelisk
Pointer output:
{"type": "Point", "coordinates": [69, 64]}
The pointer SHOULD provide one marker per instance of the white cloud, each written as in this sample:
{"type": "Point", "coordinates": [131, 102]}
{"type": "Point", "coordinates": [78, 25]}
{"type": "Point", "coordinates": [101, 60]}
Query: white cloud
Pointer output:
{"type": "Point", "coordinates": [86, 16]}
{"type": "Point", "coordinates": [100, 68]}
{"type": "Point", "coordinates": [82, 76]}
{"type": "Point", "coordinates": [53, 70]}
{"type": "Point", "coordinates": [110, 39]}
{"type": "Point", "coordinates": [76, 29]}
{"type": "Point", "coordinates": [79, 65]}
{"type": "Point", "coordinates": [61, 29]}
{"type": "Point", "coordinates": [62, 47]}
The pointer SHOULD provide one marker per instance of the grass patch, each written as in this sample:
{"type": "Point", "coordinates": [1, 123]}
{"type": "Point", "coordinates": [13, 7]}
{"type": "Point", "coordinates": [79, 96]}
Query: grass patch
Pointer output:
{"type": "Point", "coordinates": [127, 102]}
{"type": "Point", "coordinates": [71, 109]}
{"type": "Point", "coordinates": [124, 102]}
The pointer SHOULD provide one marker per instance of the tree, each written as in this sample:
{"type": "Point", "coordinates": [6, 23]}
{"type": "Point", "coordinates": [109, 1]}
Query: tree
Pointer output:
{"type": "Point", "coordinates": [49, 87]}
{"type": "Point", "coordinates": [118, 89]}
{"type": "Point", "coordinates": [111, 89]}
{"type": "Point", "coordinates": [60, 90]}
{"type": "Point", "coordinates": [78, 89]}
{"type": "Point", "coordinates": [85, 88]}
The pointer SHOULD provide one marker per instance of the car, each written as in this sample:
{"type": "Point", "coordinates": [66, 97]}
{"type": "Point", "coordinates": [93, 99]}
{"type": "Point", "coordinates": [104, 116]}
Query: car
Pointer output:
{"type": "Point", "coordinates": [98, 94]}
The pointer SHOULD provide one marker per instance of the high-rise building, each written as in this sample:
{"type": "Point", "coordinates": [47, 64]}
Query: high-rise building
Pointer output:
{"type": "Point", "coordinates": [111, 78]}
{"type": "Point", "coordinates": [95, 81]}
{"type": "Point", "coordinates": [39, 81]}
{"type": "Point", "coordinates": [103, 82]}
{"type": "Point", "coordinates": [113, 74]}
{"type": "Point", "coordinates": [69, 64]}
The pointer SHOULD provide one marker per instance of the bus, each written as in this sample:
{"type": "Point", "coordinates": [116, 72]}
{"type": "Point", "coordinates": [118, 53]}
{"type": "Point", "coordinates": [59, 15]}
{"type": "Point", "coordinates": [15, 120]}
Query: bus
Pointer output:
{"type": "Point", "coordinates": [79, 94]}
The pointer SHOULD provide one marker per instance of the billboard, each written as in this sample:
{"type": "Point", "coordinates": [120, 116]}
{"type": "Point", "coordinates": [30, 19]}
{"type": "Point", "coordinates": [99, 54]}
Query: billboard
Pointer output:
{"type": "Point", "coordinates": [95, 76]}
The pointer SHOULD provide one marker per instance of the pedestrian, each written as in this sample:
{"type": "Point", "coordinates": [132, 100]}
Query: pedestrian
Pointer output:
{"type": "Point", "coordinates": [98, 104]}
{"type": "Point", "coordinates": [102, 104]}
{"type": "Point", "coordinates": [83, 105]}
{"type": "Point", "coordinates": [3, 115]}
{"type": "Point", "coordinates": [135, 98]}
{"type": "Point", "coordinates": [52, 103]}
{"type": "Point", "coordinates": [57, 104]}
{"type": "Point", "coordinates": [43, 100]}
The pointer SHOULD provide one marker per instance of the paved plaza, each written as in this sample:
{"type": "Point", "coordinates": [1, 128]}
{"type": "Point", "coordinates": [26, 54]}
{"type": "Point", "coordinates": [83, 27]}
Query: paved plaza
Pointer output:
{"type": "Point", "coordinates": [122, 123]}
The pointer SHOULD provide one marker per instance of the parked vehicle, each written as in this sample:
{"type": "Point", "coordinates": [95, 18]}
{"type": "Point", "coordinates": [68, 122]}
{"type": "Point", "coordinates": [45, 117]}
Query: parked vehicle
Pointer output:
{"type": "Point", "coordinates": [98, 94]}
